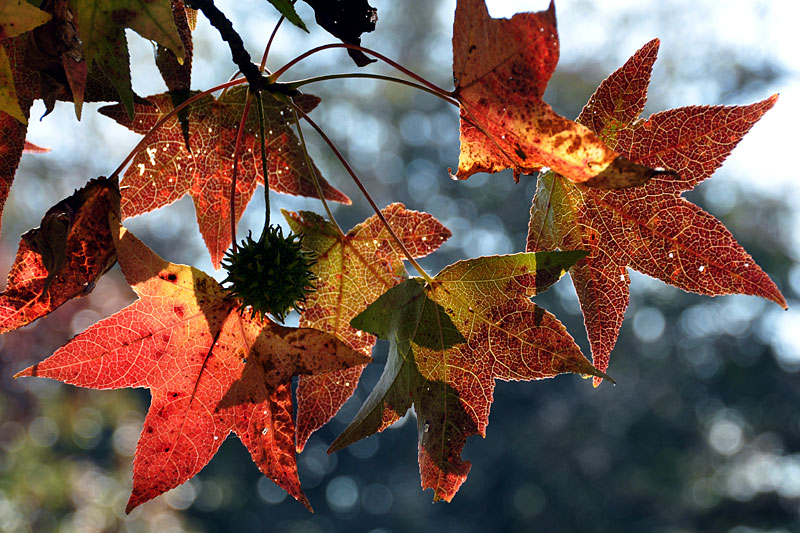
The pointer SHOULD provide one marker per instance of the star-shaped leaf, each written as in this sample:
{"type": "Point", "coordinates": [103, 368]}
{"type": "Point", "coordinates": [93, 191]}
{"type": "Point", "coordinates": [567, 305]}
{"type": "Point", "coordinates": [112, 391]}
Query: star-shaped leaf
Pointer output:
{"type": "Point", "coordinates": [210, 370]}
{"type": "Point", "coordinates": [166, 170]}
{"type": "Point", "coordinates": [450, 340]}
{"type": "Point", "coordinates": [352, 271]}
{"type": "Point", "coordinates": [501, 68]}
{"type": "Point", "coordinates": [649, 228]}
{"type": "Point", "coordinates": [102, 26]}
{"type": "Point", "coordinates": [64, 257]}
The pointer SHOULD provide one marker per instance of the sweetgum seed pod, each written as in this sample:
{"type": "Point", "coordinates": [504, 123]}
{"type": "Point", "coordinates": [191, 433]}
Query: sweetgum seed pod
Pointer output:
{"type": "Point", "coordinates": [271, 275]}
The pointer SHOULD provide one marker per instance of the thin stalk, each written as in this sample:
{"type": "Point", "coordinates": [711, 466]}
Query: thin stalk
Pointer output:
{"type": "Point", "coordinates": [299, 83]}
{"type": "Point", "coordinates": [269, 43]}
{"type": "Point", "coordinates": [233, 77]}
{"type": "Point", "coordinates": [168, 116]}
{"type": "Point", "coordinates": [366, 194]}
{"type": "Point", "coordinates": [235, 175]}
{"type": "Point", "coordinates": [260, 107]}
{"type": "Point", "coordinates": [278, 73]}
{"type": "Point", "coordinates": [314, 173]}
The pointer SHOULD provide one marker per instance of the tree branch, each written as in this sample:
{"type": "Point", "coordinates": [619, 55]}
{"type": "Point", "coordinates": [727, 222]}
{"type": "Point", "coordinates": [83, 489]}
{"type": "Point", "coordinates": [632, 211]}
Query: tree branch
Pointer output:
{"type": "Point", "coordinates": [239, 54]}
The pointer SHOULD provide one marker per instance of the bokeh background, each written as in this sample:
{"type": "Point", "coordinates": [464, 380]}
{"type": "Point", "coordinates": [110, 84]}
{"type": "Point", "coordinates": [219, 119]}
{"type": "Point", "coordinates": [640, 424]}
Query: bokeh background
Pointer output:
{"type": "Point", "coordinates": [702, 432]}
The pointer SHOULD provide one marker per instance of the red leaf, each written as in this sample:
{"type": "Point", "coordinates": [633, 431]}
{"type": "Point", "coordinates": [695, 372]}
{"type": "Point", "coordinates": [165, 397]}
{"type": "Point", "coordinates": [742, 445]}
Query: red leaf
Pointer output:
{"type": "Point", "coordinates": [166, 170]}
{"type": "Point", "coordinates": [649, 228]}
{"type": "Point", "coordinates": [31, 148]}
{"type": "Point", "coordinates": [12, 143]}
{"type": "Point", "coordinates": [210, 372]}
{"type": "Point", "coordinates": [352, 271]}
{"type": "Point", "coordinates": [501, 68]}
{"type": "Point", "coordinates": [64, 257]}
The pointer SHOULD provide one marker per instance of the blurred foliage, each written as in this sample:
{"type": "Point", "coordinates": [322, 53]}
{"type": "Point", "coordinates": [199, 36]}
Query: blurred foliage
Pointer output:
{"type": "Point", "coordinates": [701, 433]}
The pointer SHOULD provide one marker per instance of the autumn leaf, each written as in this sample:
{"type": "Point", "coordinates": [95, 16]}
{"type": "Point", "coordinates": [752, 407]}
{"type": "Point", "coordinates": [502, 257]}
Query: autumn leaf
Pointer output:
{"type": "Point", "coordinates": [352, 271]}
{"type": "Point", "coordinates": [102, 26]}
{"type": "Point", "coordinates": [9, 102]}
{"type": "Point", "coordinates": [12, 143]}
{"type": "Point", "coordinates": [650, 228]}
{"type": "Point", "coordinates": [16, 17]}
{"type": "Point", "coordinates": [449, 341]}
{"type": "Point", "coordinates": [166, 170]}
{"type": "Point", "coordinates": [30, 148]}
{"type": "Point", "coordinates": [177, 71]}
{"type": "Point", "coordinates": [210, 371]}
{"type": "Point", "coordinates": [46, 63]}
{"type": "Point", "coordinates": [63, 258]}
{"type": "Point", "coordinates": [501, 68]}
{"type": "Point", "coordinates": [19, 16]}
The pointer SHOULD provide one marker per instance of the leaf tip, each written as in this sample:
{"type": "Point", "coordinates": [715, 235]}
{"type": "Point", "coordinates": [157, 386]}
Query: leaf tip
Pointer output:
{"type": "Point", "coordinates": [25, 373]}
{"type": "Point", "coordinates": [598, 376]}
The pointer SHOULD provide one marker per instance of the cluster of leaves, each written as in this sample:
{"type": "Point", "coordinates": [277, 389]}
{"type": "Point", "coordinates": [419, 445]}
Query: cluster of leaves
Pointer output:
{"type": "Point", "coordinates": [609, 199]}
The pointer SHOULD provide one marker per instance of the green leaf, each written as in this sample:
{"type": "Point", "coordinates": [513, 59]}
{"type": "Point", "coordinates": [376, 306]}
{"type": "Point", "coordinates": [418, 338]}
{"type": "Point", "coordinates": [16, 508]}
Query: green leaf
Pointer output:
{"type": "Point", "coordinates": [450, 339]}
{"type": "Point", "coordinates": [286, 8]}
{"type": "Point", "coordinates": [102, 26]}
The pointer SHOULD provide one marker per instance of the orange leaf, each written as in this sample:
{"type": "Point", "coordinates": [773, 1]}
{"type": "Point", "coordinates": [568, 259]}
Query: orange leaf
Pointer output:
{"type": "Point", "coordinates": [166, 170]}
{"type": "Point", "coordinates": [501, 68]}
{"type": "Point", "coordinates": [649, 228]}
{"type": "Point", "coordinates": [210, 370]}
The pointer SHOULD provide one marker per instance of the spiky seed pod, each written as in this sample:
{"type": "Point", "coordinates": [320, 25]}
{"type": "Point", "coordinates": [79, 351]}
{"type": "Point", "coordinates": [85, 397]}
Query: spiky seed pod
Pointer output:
{"type": "Point", "coordinates": [270, 275]}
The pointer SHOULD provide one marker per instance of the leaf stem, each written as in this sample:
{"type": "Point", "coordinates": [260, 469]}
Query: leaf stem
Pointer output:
{"type": "Point", "coordinates": [269, 44]}
{"type": "Point", "coordinates": [299, 83]}
{"type": "Point", "coordinates": [260, 107]}
{"type": "Point", "coordinates": [366, 194]}
{"type": "Point", "coordinates": [278, 73]}
{"type": "Point", "coordinates": [235, 173]}
{"type": "Point", "coordinates": [168, 116]}
{"type": "Point", "coordinates": [314, 177]}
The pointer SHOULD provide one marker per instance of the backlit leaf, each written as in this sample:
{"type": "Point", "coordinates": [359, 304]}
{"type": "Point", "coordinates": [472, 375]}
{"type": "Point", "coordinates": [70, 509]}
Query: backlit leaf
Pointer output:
{"type": "Point", "coordinates": [19, 16]}
{"type": "Point", "coordinates": [210, 371]}
{"type": "Point", "coordinates": [166, 170]}
{"type": "Point", "coordinates": [449, 342]}
{"type": "Point", "coordinates": [352, 270]}
{"type": "Point", "coordinates": [64, 257]}
{"type": "Point", "coordinates": [102, 21]}
{"type": "Point", "coordinates": [501, 68]}
{"type": "Point", "coordinates": [649, 228]}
